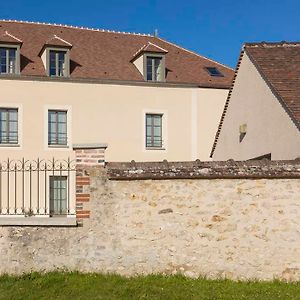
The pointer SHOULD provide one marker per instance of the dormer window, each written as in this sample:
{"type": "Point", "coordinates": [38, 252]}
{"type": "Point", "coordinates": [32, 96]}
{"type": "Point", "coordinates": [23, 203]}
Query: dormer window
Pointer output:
{"type": "Point", "coordinates": [57, 63]}
{"type": "Point", "coordinates": [56, 57]}
{"type": "Point", "coordinates": [150, 61]}
{"type": "Point", "coordinates": [8, 60]}
{"type": "Point", "coordinates": [9, 54]}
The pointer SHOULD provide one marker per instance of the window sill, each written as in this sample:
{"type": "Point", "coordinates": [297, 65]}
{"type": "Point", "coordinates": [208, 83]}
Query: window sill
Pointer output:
{"type": "Point", "coordinates": [67, 221]}
{"type": "Point", "coordinates": [10, 145]}
{"type": "Point", "coordinates": [155, 148]}
{"type": "Point", "coordinates": [59, 146]}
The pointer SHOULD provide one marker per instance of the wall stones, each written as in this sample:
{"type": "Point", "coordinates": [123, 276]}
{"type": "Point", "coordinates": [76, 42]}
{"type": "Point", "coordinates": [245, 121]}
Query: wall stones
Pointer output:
{"type": "Point", "coordinates": [236, 228]}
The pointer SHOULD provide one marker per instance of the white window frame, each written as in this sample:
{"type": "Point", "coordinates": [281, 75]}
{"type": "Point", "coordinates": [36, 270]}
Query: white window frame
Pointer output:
{"type": "Point", "coordinates": [17, 62]}
{"type": "Point", "coordinates": [162, 66]}
{"type": "Point", "coordinates": [164, 123]}
{"type": "Point", "coordinates": [67, 61]}
{"type": "Point", "coordinates": [68, 109]}
{"type": "Point", "coordinates": [19, 107]}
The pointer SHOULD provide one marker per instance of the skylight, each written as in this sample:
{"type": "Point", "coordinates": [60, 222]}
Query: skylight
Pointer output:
{"type": "Point", "coordinates": [213, 71]}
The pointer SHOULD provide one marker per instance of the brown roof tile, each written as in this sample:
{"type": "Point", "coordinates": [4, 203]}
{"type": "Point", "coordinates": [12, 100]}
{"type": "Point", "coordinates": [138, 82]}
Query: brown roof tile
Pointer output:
{"type": "Point", "coordinates": [98, 54]}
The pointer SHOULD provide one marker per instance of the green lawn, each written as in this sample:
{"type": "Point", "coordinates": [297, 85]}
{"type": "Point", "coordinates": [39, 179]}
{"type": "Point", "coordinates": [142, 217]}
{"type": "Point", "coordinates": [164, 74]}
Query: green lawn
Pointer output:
{"type": "Point", "coordinates": [96, 286]}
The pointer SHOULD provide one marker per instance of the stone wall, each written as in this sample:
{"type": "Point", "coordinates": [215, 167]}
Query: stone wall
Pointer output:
{"type": "Point", "coordinates": [237, 227]}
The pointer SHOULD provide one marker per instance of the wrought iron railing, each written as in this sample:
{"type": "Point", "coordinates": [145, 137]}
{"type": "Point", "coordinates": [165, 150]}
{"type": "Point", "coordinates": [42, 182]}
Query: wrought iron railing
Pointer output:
{"type": "Point", "coordinates": [37, 187]}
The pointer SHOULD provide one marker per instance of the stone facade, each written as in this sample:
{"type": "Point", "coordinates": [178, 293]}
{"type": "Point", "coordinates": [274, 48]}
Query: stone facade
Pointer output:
{"type": "Point", "coordinates": [238, 227]}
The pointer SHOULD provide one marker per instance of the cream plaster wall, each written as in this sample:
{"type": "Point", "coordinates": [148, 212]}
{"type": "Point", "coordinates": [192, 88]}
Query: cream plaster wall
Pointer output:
{"type": "Point", "coordinates": [269, 128]}
{"type": "Point", "coordinates": [114, 114]}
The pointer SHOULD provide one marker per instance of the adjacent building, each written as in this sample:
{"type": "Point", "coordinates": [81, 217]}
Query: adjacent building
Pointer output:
{"type": "Point", "coordinates": [261, 117]}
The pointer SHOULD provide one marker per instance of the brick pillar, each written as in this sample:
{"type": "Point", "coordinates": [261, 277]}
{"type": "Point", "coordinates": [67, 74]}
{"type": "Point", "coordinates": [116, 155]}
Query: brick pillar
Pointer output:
{"type": "Point", "coordinates": [87, 156]}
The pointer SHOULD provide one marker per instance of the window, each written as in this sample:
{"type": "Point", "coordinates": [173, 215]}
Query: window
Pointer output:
{"type": "Point", "coordinates": [154, 130]}
{"type": "Point", "coordinates": [213, 71]}
{"type": "Point", "coordinates": [155, 70]}
{"type": "Point", "coordinates": [8, 126]}
{"type": "Point", "coordinates": [57, 63]}
{"type": "Point", "coordinates": [57, 127]}
{"type": "Point", "coordinates": [58, 195]}
{"type": "Point", "coordinates": [8, 60]}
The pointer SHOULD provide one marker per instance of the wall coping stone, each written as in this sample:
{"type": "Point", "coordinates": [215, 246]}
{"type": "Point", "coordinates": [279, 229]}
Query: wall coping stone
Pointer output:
{"type": "Point", "coordinates": [90, 146]}
{"type": "Point", "coordinates": [230, 169]}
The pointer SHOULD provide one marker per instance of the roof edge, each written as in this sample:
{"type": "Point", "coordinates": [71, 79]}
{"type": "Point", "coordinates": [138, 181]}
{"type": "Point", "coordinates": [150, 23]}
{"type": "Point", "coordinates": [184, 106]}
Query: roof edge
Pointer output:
{"type": "Point", "coordinates": [226, 104]}
{"type": "Point", "coordinates": [195, 53]}
{"type": "Point", "coordinates": [112, 81]}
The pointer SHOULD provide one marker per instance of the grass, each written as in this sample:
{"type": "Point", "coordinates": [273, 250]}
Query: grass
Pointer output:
{"type": "Point", "coordinates": [59, 285]}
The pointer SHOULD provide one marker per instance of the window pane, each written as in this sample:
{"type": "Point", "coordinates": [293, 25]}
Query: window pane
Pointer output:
{"type": "Point", "coordinates": [57, 128]}
{"type": "Point", "coordinates": [13, 126]}
{"type": "Point", "coordinates": [3, 115]}
{"type": "Point", "coordinates": [3, 60]}
{"type": "Point", "coordinates": [13, 115]}
{"type": "Point", "coordinates": [153, 130]}
{"type": "Point", "coordinates": [12, 61]}
{"type": "Point", "coordinates": [8, 126]}
{"type": "Point", "coordinates": [62, 116]}
{"type": "Point", "coordinates": [157, 120]}
{"type": "Point", "coordinates": [157, 131]}
{"type": "Point", "coordinates": [52, 116]}
{"type": "Point", "coordinates": [58, 195]}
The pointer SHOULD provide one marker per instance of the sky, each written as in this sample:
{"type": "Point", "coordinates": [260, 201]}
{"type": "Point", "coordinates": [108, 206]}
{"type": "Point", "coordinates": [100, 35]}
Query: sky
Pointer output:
{"type": "Point", "coordinates": [213, 28]}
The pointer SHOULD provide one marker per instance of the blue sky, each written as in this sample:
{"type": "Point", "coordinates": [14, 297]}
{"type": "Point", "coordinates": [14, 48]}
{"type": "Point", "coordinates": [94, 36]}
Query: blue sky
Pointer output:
{"type": "Point", "coordinates": [216, 29]}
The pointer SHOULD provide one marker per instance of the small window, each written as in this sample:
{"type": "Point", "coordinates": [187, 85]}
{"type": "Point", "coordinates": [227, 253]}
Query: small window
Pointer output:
{"type": "Point", "coordinates": [57, 127]}
{"type": "Point", "coordinates": [58, 195]}
{"type": "Point", "coordinates": [154, 131]}
{"type": "Point", "coordinates": [154, 68]}
{"type": "Point", "coordinates": [8, 126]}
{"type": "Point", "coordinates": [8, 61]}
{"type": "Point", "coordinates": [57, 63]}
{"type": "Point", "coordinates": [213, 71]}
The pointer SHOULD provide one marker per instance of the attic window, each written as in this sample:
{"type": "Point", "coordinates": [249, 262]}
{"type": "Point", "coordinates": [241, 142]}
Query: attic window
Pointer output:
{"type": "Point", "coordinates": [154, 68]}
{"type": "Point", "coordinates": [8, 57]}
{"type": "Point", "coordinates": [213, 71]}
{"type": "Point", "coordinates": [57, 63]}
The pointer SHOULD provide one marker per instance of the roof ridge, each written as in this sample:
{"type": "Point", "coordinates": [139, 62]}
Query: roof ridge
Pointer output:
{"type": "Point", "coordinates": [273, 44]}
{"type": "Point", "coordinates": [194, 53]}
{"type": "Point", "coordinates": [75, 27]}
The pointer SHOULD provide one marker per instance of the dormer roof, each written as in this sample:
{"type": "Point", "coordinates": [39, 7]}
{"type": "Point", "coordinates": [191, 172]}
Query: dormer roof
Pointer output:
{"type": "Point", "coordinates": [58, 42]}
{"type": "Point", "coordinates": [7, 37]}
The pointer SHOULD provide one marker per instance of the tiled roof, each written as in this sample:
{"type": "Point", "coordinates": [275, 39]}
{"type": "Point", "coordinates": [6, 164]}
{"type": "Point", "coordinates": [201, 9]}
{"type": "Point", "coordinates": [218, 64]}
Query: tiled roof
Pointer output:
{"type": "Point", "coordinates": [99, 54]}
{"type": "Point", "coordinates": [279, 66]}
{"type": "Point", "coordinates": [6, 37]}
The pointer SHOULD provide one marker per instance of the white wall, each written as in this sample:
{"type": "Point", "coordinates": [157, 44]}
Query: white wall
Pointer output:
{"type": "Point", "coordinates": [114, 114]}
{"type": "Point", "coordinates": [269, 127]}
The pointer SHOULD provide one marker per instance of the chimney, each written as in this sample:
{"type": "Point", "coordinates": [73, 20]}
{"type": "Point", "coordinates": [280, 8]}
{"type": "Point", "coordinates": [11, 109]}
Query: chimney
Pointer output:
{"type": "Point", "coordinates": [156, 32]}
